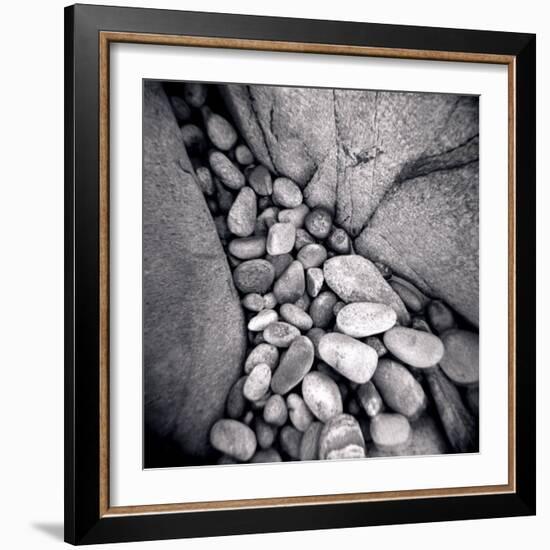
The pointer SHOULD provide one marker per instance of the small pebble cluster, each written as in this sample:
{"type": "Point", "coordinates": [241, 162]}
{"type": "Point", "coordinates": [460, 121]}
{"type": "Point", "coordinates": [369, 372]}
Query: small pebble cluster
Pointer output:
{"type": "Point", "coordinates": [344, 356]}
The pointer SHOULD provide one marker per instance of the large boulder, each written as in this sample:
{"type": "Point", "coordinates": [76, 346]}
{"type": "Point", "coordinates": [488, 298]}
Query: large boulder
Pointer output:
{"type": "Point", "coordinates": [194, 335]}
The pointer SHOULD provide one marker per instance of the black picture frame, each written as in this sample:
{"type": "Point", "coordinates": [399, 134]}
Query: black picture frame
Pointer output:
{"type": "Point", "coordinates": [84, 521]}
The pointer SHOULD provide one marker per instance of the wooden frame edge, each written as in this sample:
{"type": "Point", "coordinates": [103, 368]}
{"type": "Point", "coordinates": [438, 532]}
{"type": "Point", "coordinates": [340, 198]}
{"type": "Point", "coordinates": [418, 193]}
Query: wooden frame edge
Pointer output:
{"type": "Point", "coordinates": [105, 39]}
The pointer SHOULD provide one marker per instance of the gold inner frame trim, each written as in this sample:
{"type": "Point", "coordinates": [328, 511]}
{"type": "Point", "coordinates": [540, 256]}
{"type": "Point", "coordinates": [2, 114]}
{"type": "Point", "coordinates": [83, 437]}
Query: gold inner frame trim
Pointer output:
{"type": "Point", "coordinates": [105, 39]}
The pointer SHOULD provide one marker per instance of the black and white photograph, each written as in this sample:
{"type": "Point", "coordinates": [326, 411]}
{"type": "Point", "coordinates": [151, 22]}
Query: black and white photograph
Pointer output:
{"type": "Point", "coordinates": [310, 273]}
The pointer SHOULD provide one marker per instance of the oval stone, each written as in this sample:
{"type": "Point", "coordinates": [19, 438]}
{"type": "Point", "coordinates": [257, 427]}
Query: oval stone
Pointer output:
{"type": "Point", "coordinates": [351, 358]}
{"type": "Point", "coordinates": [259, 179]}
{"type": "Point", "coordinates": [236, 402]}
{"type": "Point", "coordinates": [441, 318]}
{"type": "Point", "coordinates": [265, 433]}
{"type": "Point", "coordinates": [309, 446]}
{"type": "Point", "coordinates": [294, 365]}
{"type": "Point", "coordinates": [233, 438]}
{"type": "Point", "coordinates": [322, 309]}
{"type": "Point", "coordinates": [414, 347]}
{"type": "Point", "coordinates": [281, 238]}
{"type": "Point", "coordinates": [314, 281]}
{"type": "Point", "coordinates": [365, 319]}
{"type": "Point", "coordinates": [257, 382]}
{"type": "Point", "coordinates": [461, 360]}
{"type": "Point", "coordinates": [296, 316]}
{"type": "Point", "coordinates": [341, 438]}
{"type": "Point", "coordinates": [193, 138]}
{"type": "Point", "coordinates": [266, 456]}
{"type": "Point", "coordinates": [269, 300]}
{"type": "Point", "coordinates": [356, 279]}
{"type": "Point", "coordinates": [390, 430]}
{"type": "Point", "coordinates": [228, 173]}
{"type": "Point", "coordinates": [263, 320]}
{"type": "Point", "coordinates": [315, 335]}
{"type": "Point", "coordinates": [319, 223]}
{"type": "Point", "coordinates": [286, 193]}
{"type": "Point", "coordinates": [254, 276]}
{"type": "Point", "coordinates": [275, 411]}
{"type": "Point", "coordinates": [399, 389]}
{"type": "Point", "coordinates": [241, 219]}
{"type": "Point", "coordinates": [291, 285]}
{"type": "Point", "coordinates": [370, 398]}
{"type": "Point", "coordinates": [411, 296]}
{"type": "Point", "coordinates": [280, 334]}
{"type": "Point", "coordinates": [262, 353]}
{"type": "Point", "coordinates": [219, 130]}
{"type": "Point", "coordinates": [247, 248]}
{"type": "Point", "coordinates": [253, 302]}
{"type": "Point", "coordinates": [206, 183]}
{"type": "Point", "coordinates": [303, 238]}
{"type": "Point", "coordinates": [299, 414]}
{"type": "Point", "coordinates": [195, 93]}
{"type": "Point", "coordinates": [322, 396]}
{"type": "Point", "coordinates": [339, 241]}
{"type": "Point", "coordinates": [312, 255]}
{"type": "Point", "coordinates": [290, 439]}
{"type": "Point", "coordinates": [376, 343]}
{"type": "Point", "coordinates": [243, 155]}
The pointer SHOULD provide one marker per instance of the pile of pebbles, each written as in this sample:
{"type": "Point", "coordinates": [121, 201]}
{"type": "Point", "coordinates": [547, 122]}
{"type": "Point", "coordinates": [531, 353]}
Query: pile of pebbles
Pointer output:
{"type": "Point", "coordinates": [344, 356]}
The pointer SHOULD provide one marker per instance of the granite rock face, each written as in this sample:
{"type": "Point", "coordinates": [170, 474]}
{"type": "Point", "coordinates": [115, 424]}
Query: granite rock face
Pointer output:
{"type": "Point", "coordinates": [194, 334]}
{"type": "Point", "coordinates": [397, 170]}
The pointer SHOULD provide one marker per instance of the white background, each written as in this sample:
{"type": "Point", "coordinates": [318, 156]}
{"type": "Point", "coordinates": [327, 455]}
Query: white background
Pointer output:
{"type": "Point", "coordinates": [130, 484]}
{"type": "Point", "coordinates": [31, 218]}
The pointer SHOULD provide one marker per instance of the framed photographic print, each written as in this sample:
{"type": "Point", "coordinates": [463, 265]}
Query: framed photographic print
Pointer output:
{"type": "Point", "coordinates": [300, 284]}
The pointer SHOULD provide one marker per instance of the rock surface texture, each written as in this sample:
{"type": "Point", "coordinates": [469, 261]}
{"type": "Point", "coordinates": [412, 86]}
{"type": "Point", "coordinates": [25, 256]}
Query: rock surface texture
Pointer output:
{"type": "Point", "coordinates": [194, 338]}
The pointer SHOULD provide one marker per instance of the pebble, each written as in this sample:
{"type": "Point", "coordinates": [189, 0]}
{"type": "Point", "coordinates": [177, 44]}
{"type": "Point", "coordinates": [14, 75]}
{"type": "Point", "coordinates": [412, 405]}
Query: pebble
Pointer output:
{"type": "Point", "coordinates": [322, 396]}
{"type": "Point", "coordinates": [293, 366]}
{"type": "Point", "coordinates": [377, 344]}
{"type": "Point", "coordinates": [233, 438]}
{"type": "Point", "coordinates": [253, 302]}
{"type": "Point", "coordinates": [409, 294]}
{"type": "Point", "coordinates": [194, 93]}
{"type": "Point", "coordinates": [262, 353]}
{"type": "Point", "coordinates": [259, 179]}
{"type": "Point", "coordinates": [261, 321]}
{"type": "Point", "coordinates": [275, 411]}
{"type": "Point", "coordinates": [219, 130]}
{"type": "Point", "coordinates": [399, 389]}
{"type": "Point", "coordinates": [243, 155]}
{"type": "Point", "coordinates": [266, 219]}
{"type": "Point", "coordinates": [390, 430]}
{"type": "Point", "coordinates": [280, 263]}
{"type": "Point", "coordinates": [319, 223]}
{"type": "Point", "coordinates": [314, 281]}
{"type": "Point", "coordinates": [303, 238]}
{"type": "Point", "coordinates": [351, 358]}
{"type": "Point", "coordinates": [296, 316]}
{"type": "Point", "coordinates": [181, 109]}
{"type": "Point", "coordinates": [461, 360]}
{"type": "Point", "coordinates": [441, 318]}
{"type": "Point", "coordinates": [241, 219]}
{"type": "Point", "coordinates": [414, 347]}
{"type": "Point", "coordinates": [269, 299]}
{"type": "Point", "coordinates": [338, 306]}
{"type": "Point", "coordinates": [419, 323]}
{"type": "Point", "coordinates": [257, 382]}
{"type": "Point", "coordinates": [299, 414]}
{"type": "Point", "coordinates": [341, 438]}
{"type": "Point", "coordinates": [257, 338]}
{"type": "Point", "coordinates": [236, 402]}
{"type": "Point", "coordinates": [309, 446]}
{"type": "Point", "coordinates": [193, 138]}
{"type": "Point", "coordinates": [280, 334]}
{"type": "Point", "coordinates": [265, 433]}
{"type": "Point", "coordinates": [339, 241]}
{"type": "Point", "coordinates": [321, 310]}
{"type": "Point", "coordinates": [295, 216]}
{"type": "Point", "coordinates": [286, 193]}
{"type": "Point", "coordinates": [362, 319]}
{"type": "Point", "coordinates": [280, 238]}
{"type": "Point", "coordinates": [206, 183]}
{"type": "Point", "coordinates": [370, 399]}
{"type": "Point", "coordinates": [356, 279]}
{"type": "Point", "coordinates": [248, 418]}
{"type": "Point", "coordinates": [224, 197]}
{"type": "Point", "coordinates": [247, 248]}
{"type": "Point", "coordinates": [254, 276]}
{"type": "Point", "coordinates": [312, 255]}
{"type": "Point", "coordinates": [266, 455]}
{"type": "Point", "coordinates": [291, 284]}
{"type": "Point", "coordinates": [228, 173]}
{"type": "Point", "coordinates": [290, 439]}
{"type": "Point", "coordinates": [315, 335]}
